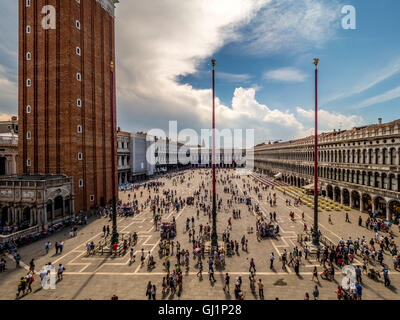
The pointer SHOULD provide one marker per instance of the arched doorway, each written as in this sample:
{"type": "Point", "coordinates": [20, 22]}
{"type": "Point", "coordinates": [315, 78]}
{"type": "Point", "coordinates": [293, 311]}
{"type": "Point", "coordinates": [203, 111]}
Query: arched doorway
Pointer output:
{"type": "Point", "coordinates": [26, 216]}
{"type": "Point", "coordinates": [394, 210]}
{"type": "Point", "coordinates": [337, 194]}
{"type": "Point", "coordinates": [329, 191]}
{"type": "Point", "coordinates": [355, 197]}
{"type": "Point", "coordinates": [2, 166]}
{"type": "Point", "coordinates": [58, 207]}
{"type": "Point", "coordinates": [346, 197]}
{"type": "Point", "coordinates": [67, 205]}
{"type": "Point", "coordinates": [380, 207]}
{"type": "Point", "coordinates": [4, 216]}
{"type": "Point", "coordinates": [49, 207]}
{"type": "Point", "coordinates": [366, 203]}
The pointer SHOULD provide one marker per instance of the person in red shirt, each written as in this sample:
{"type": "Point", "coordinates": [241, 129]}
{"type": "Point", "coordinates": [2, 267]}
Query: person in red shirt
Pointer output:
{"type": "Point", "coordinates": [339, 293]}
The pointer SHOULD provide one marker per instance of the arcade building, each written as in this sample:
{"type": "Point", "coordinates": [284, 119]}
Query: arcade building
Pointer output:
{"type": "Point", "coordinates": [359, 167]}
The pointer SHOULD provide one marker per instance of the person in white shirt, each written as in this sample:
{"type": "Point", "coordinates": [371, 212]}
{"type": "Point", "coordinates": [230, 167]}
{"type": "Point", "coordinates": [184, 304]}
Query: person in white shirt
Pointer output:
{"type": "Point", "coordinates": [272, 258]}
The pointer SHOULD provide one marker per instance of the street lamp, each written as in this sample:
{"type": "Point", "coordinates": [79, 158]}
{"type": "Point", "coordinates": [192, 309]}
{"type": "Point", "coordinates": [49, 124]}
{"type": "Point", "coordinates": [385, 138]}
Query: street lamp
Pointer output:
{"type": "Point", "coordinates": [214, 236]}
{"type": "Point", "coordinates": [114, 236]}
{"type": "Point", "coordinates": [315, 231]}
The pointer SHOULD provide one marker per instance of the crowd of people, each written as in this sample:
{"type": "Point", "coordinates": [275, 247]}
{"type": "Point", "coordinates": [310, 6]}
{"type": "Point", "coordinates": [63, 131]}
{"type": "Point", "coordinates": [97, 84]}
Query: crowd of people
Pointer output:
{"type": "Point", "coordinates": [162, 201]}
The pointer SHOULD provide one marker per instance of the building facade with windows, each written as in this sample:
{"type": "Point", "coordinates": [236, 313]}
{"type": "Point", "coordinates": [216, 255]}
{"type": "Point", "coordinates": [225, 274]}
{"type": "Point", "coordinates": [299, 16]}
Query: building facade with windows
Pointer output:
{"type": "Point", "coordinates": [9, 147]}
{"type": "Point", "coordinates": [29, 203]}
{"type": "Point", "coordinates": [201, 157]}
{"type": "Point", "coordinates": [141, 167]}
{"type": "Point", "coordinates": [65, 113]}
{"type": "Point", "coordinates": [358, 167]}
{"type": "Point", "coordinates": [124, 157]}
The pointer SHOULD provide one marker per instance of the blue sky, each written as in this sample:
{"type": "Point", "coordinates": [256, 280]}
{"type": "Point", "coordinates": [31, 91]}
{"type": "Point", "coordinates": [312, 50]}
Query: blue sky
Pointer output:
{"type": "Point", "coordinates": [349, 60]}
{"type": "Point", "coordinates": [264, 51]}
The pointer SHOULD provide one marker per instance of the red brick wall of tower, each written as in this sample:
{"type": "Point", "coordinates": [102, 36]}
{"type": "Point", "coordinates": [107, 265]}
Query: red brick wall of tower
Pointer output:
{"type": "Point", "coordinates": [54, 116]}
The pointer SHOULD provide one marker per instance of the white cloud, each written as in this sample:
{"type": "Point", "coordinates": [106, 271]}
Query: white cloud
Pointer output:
{"type": "Point", "coordinates": [293, 25]}
{"type": "Point", "coordinates": [8, 94]}
{"type": "Point", "coordinates": [287, 74]}
{"type": "Point", "coordinates": [330, 120]}
{"type": "Point", "coordinates": [369, 80]}
{"type": "Point", "coordinates": [386, 96]}
{"type": "Point", "coordinates": [158, 44]}
{"type": "Point", "coordinates": [232, 77]}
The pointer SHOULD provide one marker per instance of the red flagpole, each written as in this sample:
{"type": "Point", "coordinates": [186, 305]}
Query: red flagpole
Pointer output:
{"type": "Point", "coordinates": [315, 233]}
{"type": "Point", "coordinates": [214, 236]}
{"type": "Point", "coordinates": [114, 237]}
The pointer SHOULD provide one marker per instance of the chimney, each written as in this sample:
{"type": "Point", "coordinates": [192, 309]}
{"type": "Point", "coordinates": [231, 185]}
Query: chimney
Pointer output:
{"type": "Point", "coordinates": [379, 120]}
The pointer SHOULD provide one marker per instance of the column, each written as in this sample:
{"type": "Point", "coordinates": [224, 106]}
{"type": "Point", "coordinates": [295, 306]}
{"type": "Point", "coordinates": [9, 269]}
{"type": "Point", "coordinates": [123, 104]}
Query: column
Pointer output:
{"type": "Point", "coordinates": [63, 208]}
{"type": "Point", "coordinates": [72, 206]}
{"type": "Point", "coordinates": [341, 196]}
{"type": "Point", "coordinates": [38, 215]}
{"type": "Point", "coordinates": [44, 222]}
{"type": "Point", "coordinates": [12, 216]}
{"type": "Point", "coordinates": [52, 211]}
{"type": "Point", "coordinates": [31, 214]}
{"type": "Point", "coordinates": [9, 213]}
{"type": "Point", "coordinates": [15, 165]}
{"type": "Point", "coordinates": [388, 215]}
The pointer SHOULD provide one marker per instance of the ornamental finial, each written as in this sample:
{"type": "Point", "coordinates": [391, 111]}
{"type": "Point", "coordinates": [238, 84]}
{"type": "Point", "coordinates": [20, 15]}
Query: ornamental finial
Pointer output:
{"type": "Point", "coordinates": [112, 64]}
{"type": "Point", "coordinates": [213, 62]}
{"type": "Point", "coordinates": [316, 60]}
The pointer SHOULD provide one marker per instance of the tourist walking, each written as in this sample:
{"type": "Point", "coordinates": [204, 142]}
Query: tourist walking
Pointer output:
{"type": "Point", "coordinates": [315, 274]}
{"type": "Point", "coordinates": [226, 286]}
{"type": "Point", "coordinates": [17, 259]}
{"type": "Point", "coordinates": [271, 259]}
{"type": "Point", "coordinates": [47, 247]}
{"type": "Point", "coordinates": [153, 292]}
{"type": "Point", "coordinates": [315, 293]}
{"type": "Point", "coordinates": [21, 286]}
{"type": "Point", "coordinates": [61, 269]}
{"type": "Point", "coordinates": [32, 266]}
{"type": "Point", "coordinates": [148, 290]}
{"type": "Point", "coordinates": [260, 289]}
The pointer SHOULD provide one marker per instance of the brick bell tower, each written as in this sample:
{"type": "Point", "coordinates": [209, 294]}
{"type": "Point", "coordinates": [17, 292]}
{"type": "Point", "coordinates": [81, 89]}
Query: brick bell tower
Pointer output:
{"type": "Point", "coordinates": [65, 51]}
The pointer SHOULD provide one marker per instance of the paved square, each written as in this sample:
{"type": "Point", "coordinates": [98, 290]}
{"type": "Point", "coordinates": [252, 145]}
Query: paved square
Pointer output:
{"type": "Point", "coordinates": [99, 277]}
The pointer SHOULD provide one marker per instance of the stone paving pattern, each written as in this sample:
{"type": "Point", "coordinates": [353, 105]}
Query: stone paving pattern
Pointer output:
{"type": "Point", "coordinates": [99, 277]}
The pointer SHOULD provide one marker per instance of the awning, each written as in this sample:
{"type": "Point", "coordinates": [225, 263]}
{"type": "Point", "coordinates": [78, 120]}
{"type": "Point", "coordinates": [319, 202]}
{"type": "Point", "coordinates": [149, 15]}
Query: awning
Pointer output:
{"type": "Point", "coordinates": [279, 175]}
